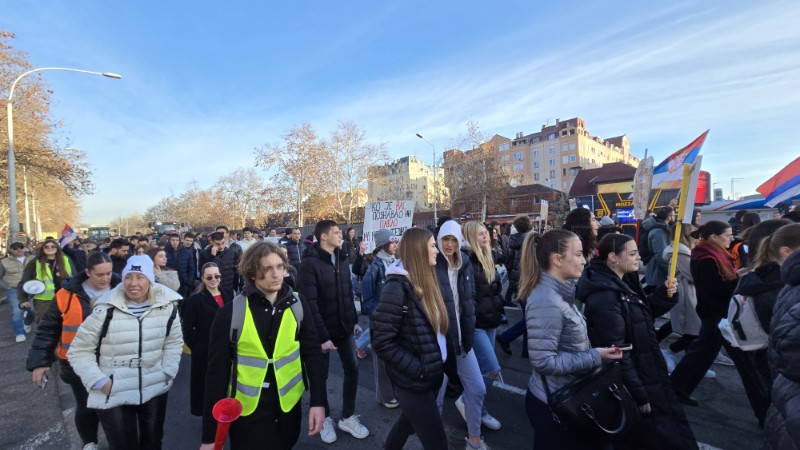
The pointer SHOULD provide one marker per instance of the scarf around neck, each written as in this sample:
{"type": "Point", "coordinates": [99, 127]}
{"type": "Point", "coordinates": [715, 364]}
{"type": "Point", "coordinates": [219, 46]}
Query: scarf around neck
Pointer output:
{"type": "Point", "coordinates": [706, 250]}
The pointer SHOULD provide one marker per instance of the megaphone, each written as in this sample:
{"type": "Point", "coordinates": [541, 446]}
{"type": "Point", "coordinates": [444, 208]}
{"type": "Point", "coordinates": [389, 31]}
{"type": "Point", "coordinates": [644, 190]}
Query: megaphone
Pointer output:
{"type": "Point", "coordinates": [225, 411]}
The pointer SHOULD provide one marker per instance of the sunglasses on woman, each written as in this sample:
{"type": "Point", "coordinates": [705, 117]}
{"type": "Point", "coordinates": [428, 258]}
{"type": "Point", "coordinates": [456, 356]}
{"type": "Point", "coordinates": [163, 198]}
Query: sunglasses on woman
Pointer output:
{"type": "Point", "coordinates": [213, 277]}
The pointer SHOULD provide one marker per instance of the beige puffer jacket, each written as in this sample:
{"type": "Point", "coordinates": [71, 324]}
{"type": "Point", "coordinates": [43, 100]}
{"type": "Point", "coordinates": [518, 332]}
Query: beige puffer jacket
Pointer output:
{"type": "Point", "coordinates": [136, 354]}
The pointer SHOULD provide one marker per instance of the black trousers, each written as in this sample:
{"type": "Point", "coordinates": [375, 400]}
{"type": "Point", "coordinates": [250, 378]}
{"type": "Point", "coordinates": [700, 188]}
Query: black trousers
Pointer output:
{"type": "Point", "coordinates": [347, 355]}
{"type": "Point", "coordinates": [132, 427]}
{"type": "Point", "coordinates": [548, 435]}
{"type": "Point", "coordinates": [86, 420]}
{"type": "Point", "coordinates": [420, 415]}
{"type": "Point", "coordinates": [267, 426]}
{"type": "Point", "coordinates": [701, 354]}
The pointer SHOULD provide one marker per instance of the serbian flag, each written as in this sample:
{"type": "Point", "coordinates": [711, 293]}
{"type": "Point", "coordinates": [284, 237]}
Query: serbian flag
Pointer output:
{"type": "Point", "coordinates": [669, 173]}
{"type": "Point", "coordinates": [67, 235]}
{"type": "Point", "coordinates": [783, 186]}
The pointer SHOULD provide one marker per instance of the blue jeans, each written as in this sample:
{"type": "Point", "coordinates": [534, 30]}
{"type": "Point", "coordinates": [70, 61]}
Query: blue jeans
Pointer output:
{"type": "Point", "coordinates": [474, 391]}
{"type": "Point", "coordinates": [483, 346]}
{"type": "Point", "coordinates": [363, 341]}
{"type": "Point", "coordinates": [16, 313]}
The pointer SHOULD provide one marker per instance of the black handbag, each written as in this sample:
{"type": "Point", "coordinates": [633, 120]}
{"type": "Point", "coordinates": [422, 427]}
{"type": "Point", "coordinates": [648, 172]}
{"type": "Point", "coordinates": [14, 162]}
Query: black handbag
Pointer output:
{"type": "Point", "coordinates": [597, 403]}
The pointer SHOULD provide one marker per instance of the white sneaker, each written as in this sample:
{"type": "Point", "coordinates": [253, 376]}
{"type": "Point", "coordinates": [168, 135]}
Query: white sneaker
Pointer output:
{"type": "Point", "coordinates": [328, 433]}
{"type": "Point", "coordinates": [27, 328]}
{"type": "Point", "coordinates": [460, 407]}
{"type": "Point", "coordinates": [711, 374]}
{"type": "Point", "coordinates": [670, 359]}
{"type": "Point", "coordinates": [90, 446]}
{"type": "Point", "coordinates": [481, 446]}
{"type": "Point", "coordinates": [490, 422]}
{"type": "Point", "coordinates": [21, 338]}
{"type": "Point", "coordinates": [353, 426]}
{"type": "Point", "coordinates": [724, 360]}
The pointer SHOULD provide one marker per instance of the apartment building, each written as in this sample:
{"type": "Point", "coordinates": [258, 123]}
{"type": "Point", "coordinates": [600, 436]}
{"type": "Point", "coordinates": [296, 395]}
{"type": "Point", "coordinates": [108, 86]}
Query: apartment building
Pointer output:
{"type": "Point", "coordinates": [554, 155]}
{"type": "Point", "coordinates": [406, 178]}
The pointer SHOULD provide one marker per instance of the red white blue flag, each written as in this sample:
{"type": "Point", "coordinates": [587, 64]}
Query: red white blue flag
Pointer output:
{"type": "Point", "coordinates": [67, 235]}
{"type": "Point", "coordinates": [783, 186]}
{"type": "Point", "coordinates": [669, 173]}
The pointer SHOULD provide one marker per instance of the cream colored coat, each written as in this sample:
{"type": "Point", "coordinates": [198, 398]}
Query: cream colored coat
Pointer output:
{"type": "Point", "coordinates": [136, 354]}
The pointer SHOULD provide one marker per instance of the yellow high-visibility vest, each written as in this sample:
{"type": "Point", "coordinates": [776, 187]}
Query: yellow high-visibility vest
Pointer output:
{"type": "Point", "coordinates": [252, 361]}
{"type": "Point", "coordinates": [46, 277]}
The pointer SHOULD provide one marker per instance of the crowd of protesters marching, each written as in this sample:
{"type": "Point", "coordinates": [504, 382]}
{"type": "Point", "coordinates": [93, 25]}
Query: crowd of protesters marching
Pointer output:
{"type": "Point", "coordinates": [262, 315]}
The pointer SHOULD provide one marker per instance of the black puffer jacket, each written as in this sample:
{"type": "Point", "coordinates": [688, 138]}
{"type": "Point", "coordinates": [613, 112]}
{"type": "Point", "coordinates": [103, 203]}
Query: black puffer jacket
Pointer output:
{"type": "Point", "coordinates": [328, 289]}
{"type": "Point", "coordinates": [513, 257]}
{"type": "Point", "coordinates": [762, 285]}
{"type": "Point", "coordinates": [713, 292]}
{"type": "Point", "coordinates": [403, 337]}
{"type": "Point", "coordinates": [228, 262]}
{"type": "Point", "coordinates": [48, 333]}
{"type": "Point", "coordinates": [618, 312]}
{"type": "Point", "coordinates": [782, 425]}
{"type": "Point", "coordinates": [488, 299]}
{"type": "Point", "coordinates": [466, 300]}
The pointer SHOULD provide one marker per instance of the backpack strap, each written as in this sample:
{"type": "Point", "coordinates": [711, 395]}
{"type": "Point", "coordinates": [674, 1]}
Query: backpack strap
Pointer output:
{"type": "Point", "coordinates": [103, 332]}
{"type": "Point", "coordinates": [172, 316]}
{"type": "Point", "coordinates": [297, 310]}
{"type": "Point", "coordinates": [237, 323]}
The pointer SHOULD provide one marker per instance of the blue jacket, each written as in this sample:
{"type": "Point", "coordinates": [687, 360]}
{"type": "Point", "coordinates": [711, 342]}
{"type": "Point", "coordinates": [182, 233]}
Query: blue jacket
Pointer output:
{"type": "Point", "coordinates": [658, 238]}
{"type": "Point", "coordinates": [372, 286]}
{"type": "Point", "coordinates": [184, 261]}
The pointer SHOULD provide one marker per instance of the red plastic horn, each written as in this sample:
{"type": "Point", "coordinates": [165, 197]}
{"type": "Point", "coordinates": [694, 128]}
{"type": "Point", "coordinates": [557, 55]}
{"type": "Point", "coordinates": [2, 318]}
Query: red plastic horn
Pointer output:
{"type": "Point", "coordinates": [225, 411]}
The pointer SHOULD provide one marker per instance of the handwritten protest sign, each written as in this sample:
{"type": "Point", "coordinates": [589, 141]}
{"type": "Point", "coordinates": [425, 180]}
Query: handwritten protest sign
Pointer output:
{"type": "Point", "coordinates": [394, 215]}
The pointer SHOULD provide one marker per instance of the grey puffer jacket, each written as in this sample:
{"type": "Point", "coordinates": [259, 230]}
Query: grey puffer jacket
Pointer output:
{"type": "Point", "coordinates": [782, 424]}
{"type": "Point", "coordinates": [558, 341]}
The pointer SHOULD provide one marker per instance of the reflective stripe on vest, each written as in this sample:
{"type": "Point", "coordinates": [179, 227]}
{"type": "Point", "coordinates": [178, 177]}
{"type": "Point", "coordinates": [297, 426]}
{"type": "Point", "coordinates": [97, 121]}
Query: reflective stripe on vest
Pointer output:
{"type": "Point", "coordinates": [71, 318]}
{"type": "Point", "coordinates": [46, 277]}
{"type": "Point", "coordinates": [253, 363]}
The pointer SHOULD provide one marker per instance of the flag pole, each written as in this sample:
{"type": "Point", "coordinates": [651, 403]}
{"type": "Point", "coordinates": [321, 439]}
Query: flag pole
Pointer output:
{"type": "Point", "coordinates": [673, 265]}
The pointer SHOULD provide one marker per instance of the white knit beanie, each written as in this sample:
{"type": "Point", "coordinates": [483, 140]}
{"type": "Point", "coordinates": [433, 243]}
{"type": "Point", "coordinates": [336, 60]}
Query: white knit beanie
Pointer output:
{"type": "Point", "coordinates": [140, 264]}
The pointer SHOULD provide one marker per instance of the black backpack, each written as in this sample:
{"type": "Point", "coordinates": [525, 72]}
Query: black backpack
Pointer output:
{"type": "Point", "coordinates": [644, 247]}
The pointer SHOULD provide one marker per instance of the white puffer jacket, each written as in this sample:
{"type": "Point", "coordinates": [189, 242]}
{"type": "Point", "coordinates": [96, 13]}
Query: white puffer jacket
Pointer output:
{"type": "Point", "coordinates": [136, 354]}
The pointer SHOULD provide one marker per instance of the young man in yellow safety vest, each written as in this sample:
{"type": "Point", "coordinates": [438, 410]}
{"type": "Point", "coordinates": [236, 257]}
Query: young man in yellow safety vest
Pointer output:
{"type": "Point", "coordinates": [263, 346]}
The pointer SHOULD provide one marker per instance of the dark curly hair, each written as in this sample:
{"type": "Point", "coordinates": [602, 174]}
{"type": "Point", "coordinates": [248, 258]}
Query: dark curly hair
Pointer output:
{"type": "Point", "coordinates": [579, 221]}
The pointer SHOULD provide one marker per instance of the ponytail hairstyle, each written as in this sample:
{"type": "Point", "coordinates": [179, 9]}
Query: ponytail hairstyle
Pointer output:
{"type": "Point", "coordinates": [95, 259]}
{"type": "Point", "coordinates": [757, 234]}
{"type": "Point", "coordinates": [785, 236]}
{"type": "Point", "coordinates": [714, 227]}
{"type": "Point", "coordinates": [483, 252]}
{"type": "Point", "coordinates": [535, 257]}
{"type": "Point", "coordinates": [413, 251]}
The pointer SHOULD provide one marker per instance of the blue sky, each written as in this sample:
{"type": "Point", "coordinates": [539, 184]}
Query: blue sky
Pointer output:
{"type": "Point", "coordinates": [207, 82]}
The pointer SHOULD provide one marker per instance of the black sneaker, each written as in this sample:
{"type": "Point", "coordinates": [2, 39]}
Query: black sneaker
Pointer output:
{"type": "Point", "coordinates": [505, 346]}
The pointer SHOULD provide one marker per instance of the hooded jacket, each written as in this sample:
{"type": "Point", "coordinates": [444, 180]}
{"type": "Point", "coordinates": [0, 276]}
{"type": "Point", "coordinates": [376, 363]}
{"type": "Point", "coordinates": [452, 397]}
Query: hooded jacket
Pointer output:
{"type": "Point", "coordinates": [461, 329]}
{"type": "Point", "coordinates": [403, 336]}
{"type": "Point", "coordinates": [513, 257]}
{"type": "Point", "coordinates": [328, 289]}
{"type": "Point", "coordinates": [782, 424]}
{"type": "Point", "coordinates": [184, 261]}
{"type": "Point", "coordinates": [657, 239]}
{"type": "Point", "coordinates": [762, 286]}
{"type": "Point", "coordinates": [137, 355]}
{"type": "Point", "coordinates": [48, 333]}
{"type": "Point", "coordinates": [618, 312]}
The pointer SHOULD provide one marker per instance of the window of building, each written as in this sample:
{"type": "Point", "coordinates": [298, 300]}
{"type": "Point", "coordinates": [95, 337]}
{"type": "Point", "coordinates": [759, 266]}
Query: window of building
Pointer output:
{"type": "Point", "coordinates": [504, 147]}
{"type": "Point", "coordinates": [571, 132]}
{"type": "Point", "coordinates": [535, 199]}
{"type": "Point", "coordinates": [514, 202]}
{"type": "Point", "coordinates": [535, 140]}
{"type": "Point", "coordinates": [564, 132]}
{"type": "Point", "coordinates": [572, 158]}
{"type": "Point", "coordinates": [572, 146]}
{"type": "Point", "coordinates": [564, 185]}
{"type": "Point", "coordinates": [551, 136]}
{"type": "Point", "coordinates": [564, 159]}
{"type": "Point", "coordinates": [518, 167]}
{"type": "Point", "coordinates": [536, 164]}
{"type": "Point", "coordinates": [536, 176]}
{"type": "Point", "coordinates": [504, 158]}
{"type": "Point", "coordinates": [564, 147]}
{"type": "Point", "coordinates": [552, 162]}
{"type": "Point", "coordinates": [518, 156]}
{"type": "Point", "coordinates": [536, 153]}
{"type": "Point", "coordinates": [551, 150]}
{"type": "Point", "coordinates": [564, 172]}
{"type": "Point", "coordinates": [574, 171]}
{"type": "Point", "coordinates": [552, 174]}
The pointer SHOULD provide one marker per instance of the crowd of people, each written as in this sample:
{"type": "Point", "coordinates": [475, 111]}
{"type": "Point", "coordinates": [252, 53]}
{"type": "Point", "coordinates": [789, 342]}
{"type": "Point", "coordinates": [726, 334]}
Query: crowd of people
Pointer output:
{"type": "Point", "coordinates": [262, 316]}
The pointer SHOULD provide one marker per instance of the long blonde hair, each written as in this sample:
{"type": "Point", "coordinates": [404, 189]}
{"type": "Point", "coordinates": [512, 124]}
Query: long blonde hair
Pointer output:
{"type": "Point", "coordinates": [413, 251]}
{"type": "Point", "coordinates": [483, 252]}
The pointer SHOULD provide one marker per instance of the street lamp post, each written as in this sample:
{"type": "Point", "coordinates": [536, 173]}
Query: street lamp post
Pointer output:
{"type": "Point", "coordinates": [435, 201]}
{"type": "Point", "coordinates": [13, 225]}
{"type": "Point", "coordinates": [733, 180]}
